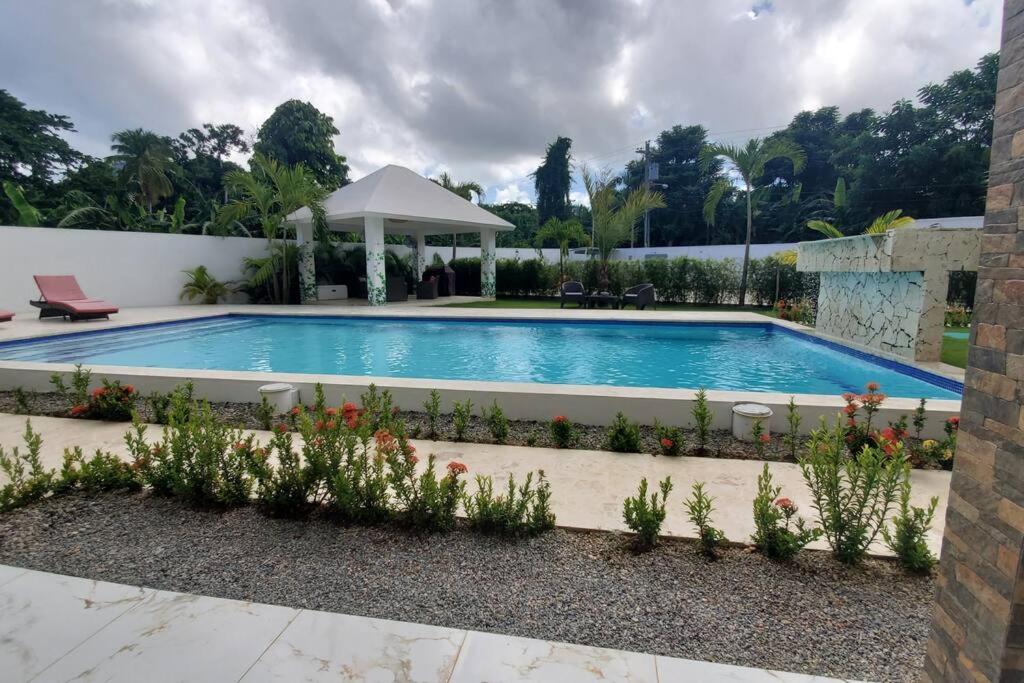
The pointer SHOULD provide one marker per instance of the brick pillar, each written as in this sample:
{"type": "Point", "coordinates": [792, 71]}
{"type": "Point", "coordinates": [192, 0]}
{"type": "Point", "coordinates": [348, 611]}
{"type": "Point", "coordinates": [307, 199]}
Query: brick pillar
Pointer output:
{"type": "Point", "coordinates": [978, 624]}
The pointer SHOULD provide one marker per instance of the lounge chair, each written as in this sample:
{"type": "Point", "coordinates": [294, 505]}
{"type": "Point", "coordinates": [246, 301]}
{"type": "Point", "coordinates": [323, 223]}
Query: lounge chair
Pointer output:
{"type": "Point", "coordinates": [573, 291]}
{"type": "Point", "coordinates": [639, 296]}
{"type": "Point", "coordinates": [5, 316]}
{"type": "Point", "coordinates": [63, 298]}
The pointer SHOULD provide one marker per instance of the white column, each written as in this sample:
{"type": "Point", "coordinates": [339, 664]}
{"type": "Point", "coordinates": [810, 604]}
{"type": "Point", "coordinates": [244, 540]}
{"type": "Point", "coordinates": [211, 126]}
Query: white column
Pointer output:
{"type": "Point", "coordinates": [376, 279]}
{"type": "Point", "coordinates": [421, 255]}
{"type": "Point", "coordinates": [307, 264]}
{"type": "Point", "coordinates": [487, 263]}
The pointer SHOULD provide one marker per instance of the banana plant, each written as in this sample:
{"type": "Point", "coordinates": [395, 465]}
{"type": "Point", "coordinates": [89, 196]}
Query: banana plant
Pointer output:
{"type": "Point", "coordinates": [28, 215]}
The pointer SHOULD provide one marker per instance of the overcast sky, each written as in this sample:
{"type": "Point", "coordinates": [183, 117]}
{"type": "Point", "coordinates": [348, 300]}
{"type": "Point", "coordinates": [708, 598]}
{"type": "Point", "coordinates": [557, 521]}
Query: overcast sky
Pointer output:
{"type": "Point", "coordinates": [479, 87]}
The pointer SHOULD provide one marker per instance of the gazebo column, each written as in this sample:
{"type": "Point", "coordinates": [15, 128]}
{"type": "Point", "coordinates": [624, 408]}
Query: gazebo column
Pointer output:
{"type": "Point", "coordinates": [488, 268]}
{"type": "Point", "coordinates": [376, 278]}
{"type": "Point", "coordinates": [307, 263]}
{"type": "Point", "coordinates": [421, 255]}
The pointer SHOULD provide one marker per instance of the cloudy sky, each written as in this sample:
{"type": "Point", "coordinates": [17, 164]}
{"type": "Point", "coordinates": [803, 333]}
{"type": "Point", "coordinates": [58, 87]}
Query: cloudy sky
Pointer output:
{"type": "Point", "coordinates": [479, 87]}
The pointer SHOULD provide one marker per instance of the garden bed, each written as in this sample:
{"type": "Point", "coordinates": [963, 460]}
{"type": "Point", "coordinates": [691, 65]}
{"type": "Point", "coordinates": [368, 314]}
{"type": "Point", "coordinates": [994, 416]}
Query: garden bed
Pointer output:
{"type": "Point", "coordinates": [812, 616]}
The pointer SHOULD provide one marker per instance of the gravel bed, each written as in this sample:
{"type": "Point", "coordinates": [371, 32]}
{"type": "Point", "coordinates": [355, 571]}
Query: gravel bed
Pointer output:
{"type": "Point", "coordinates": [813, 616]}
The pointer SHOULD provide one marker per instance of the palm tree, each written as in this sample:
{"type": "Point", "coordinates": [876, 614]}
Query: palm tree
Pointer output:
{"type": "Point", "coordinates": [465, 190]}
{"type": "Point", "coordinates": [143, 159]}
{"type": "Point", "coordinates": [269, 193]}
{"type": "Point", "coordinates": [749, 163]}
{"type": "Point", "coordinates": [561, 232]}
{"type": "Point", "coordinates": [204, 286]}
{"type": "Point", "coordinates": [891, 220]}
{"type": "Point", "coordinates": [614, 219]}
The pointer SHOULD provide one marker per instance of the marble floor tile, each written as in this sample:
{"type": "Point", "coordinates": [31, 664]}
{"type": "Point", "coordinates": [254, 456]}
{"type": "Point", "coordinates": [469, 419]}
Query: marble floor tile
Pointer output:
{"type": "Point", "coordinates": [9, 573]}
{"type": "Point", "coordinates": [44, 616]}
{"type": "Point", "coordinates": [176, 637]}
{"type": "Point", "coordinates": [670, 669]}
{"type": "Point", "coordinates": [497, 658]}
{"type": "Point", "coordinates": [321, 646]}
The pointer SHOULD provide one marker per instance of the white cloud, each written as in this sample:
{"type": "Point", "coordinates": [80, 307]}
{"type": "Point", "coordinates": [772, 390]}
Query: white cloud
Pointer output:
{"type": "Point", "coordinates": [512, 193]}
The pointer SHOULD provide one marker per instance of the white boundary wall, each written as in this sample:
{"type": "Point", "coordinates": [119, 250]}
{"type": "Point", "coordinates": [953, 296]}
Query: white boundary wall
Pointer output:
{"type": "Point", "coordinates": [715, 251]}
{"type": "Point", "coordinates": [125, 268]}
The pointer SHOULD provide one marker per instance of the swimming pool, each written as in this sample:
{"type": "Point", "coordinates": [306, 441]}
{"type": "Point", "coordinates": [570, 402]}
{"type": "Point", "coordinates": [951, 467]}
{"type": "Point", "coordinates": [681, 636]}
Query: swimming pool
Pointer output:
{"type": "Point", "coordinates": [727, 356]}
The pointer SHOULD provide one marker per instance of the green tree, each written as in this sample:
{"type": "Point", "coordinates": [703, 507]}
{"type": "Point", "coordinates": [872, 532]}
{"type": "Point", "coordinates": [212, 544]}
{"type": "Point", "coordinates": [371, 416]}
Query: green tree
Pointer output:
{"type": "Point", "coordinates": [891, 220]}
{"type": "Point", "coordinates": [748, 163]}
{"type": "Point", "coordinates": [268, 194]}
{"type": "Point", "coordinates": [28, 215]}
{"type": "Point", "coordinates": [299, 133]}
{"type": "Point", "coordinates": [143, 163]}
{"type": "Point", "coordinates": [562, 233]}
{"type": "Point", "coordinates": [465, 190]}
{"type": "Point", "coordinates": [552, 181]}
{"type": "Point", "coordinates": [523, 216]}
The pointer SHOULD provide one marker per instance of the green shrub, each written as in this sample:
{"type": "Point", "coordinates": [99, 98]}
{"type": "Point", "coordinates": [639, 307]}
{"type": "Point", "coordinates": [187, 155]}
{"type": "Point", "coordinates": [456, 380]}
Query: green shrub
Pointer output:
{"type": "Point", "coordinates": [77, 394]}
{"type": "Point", "coordinates": [283, 489]}
{"type": "Point", "coordinates": [467, 276]}
{"type": "Point", "coordinates": [21, 404]}
{"type": "Point", "coordinates": [101, 473]}
{"type": "Point", "coordinates": [670, 439]}
{"type": "Point", "coordinates": [461, 413]}
{"type": "Point", "coordinates": [852, 494]}
{"type": "Point", "coordinates": [359, 486]}
{"type": "Point", "coordinates": [761, 438]}
{"type": "Point", "coordinates": [778, 532]}
{"type": "Point", "coordinates": [496, 422]}
{"type": "Point", "coordinates": [379, 411]}
{"type": "Point", "coordinates": [432, 407]}
{"type": "Point", "coordinates": [702, 420]}
{"type": "Point", "coordinates": [699, 507]}
{"type": "Point", "coordinates": [520, 511]}
{"type": "Point", "coordinates": [909, 535]}
{"type": "Point", "coordinates": [791, 439]}
{"type": "Point", "coordinates": [623, 436]}
{"type": "Point", "coordinates": [563, 432]}
{"type": "Point", "coordinates": [174, 405]}
{"type": "Point", "coordinates": [427, 502]}
{"type": "Point", "coordinates": [645, 514]}
{"type": "Point", "coordinates": [111, 401]}
{"type": "Point", "coordinates": [265, 414]}
{"type": "Point", "coordinates": [27, 481]}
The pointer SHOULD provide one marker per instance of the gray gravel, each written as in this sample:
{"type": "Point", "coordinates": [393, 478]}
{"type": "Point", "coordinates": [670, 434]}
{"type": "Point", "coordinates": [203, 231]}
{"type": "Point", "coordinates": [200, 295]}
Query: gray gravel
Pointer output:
{"type": "Point", "coordinates": [813, 616]}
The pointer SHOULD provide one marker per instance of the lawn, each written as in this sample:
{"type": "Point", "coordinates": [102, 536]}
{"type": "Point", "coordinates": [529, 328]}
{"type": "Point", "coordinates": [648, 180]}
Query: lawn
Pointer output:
{"type": "Point", "coordinates": [954, 351]}
{"type": "Point", "coordinates": [511, 302]}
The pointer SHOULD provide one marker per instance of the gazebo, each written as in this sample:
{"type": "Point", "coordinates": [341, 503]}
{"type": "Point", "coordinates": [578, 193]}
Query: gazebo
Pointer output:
{"type": "Point", "coordinates": [396, 200]}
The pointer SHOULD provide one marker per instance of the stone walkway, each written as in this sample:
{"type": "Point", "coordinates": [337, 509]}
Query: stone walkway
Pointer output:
{"type": "Point", "coordinates": [62, 628]}
{"type": "Point", "coordinates": [588, 487]}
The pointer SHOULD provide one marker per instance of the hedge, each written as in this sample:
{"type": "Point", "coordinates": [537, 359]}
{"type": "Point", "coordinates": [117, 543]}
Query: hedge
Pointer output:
{"type": "Point", "coordinates": [678, 280]}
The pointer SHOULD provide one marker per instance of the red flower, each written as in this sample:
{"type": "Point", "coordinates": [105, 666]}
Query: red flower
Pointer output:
{"type": "Point", "coordinates": [100, 391]}
{"type": "Point", "coordinates": [331, 412]}
{"type": "Point", "coordinates": [281, 428]}
{"type": "Point", "coordinates": [667, 443]}
{"type": "Point", "coordinates": [352, 421]}
{"type": "Point", "coordinates": [851, 422]}
{"type": "Point", "coordinates": [890, 434]}
{"type": "Point", "coordinates": [331, 425]}
{"type": "Point", "coordinates": [849, 397]}
{"type": "Point", "coordinates": [239, 446]}
{"type": "Point", "coordinates": [561, 418]}
{"type": "Point", "coordinates": [412, 458]}
{"type": "Point", "coordinates": [850, 410]}
{"type": "Point", "coordinates": [79, 410]}
{"type": "Point", "coordinates": [128, 389]}
{"type": "Point", "coordinates": [786, 504]}
{"type": "Point", "coordinates": [296, 410]}
{"type": "Point", "coordinates": [457, 468]}
{"type": "Point", "coordinates": [873, 387]}
{"type": "Point", "coordinates": [319, 426]}
{"type": "Point", "coordinates": [765, 438]}
{"type": "Point", "coordinates": [954, 422]}
{"type": "Point", "coordinates": [349, 408]}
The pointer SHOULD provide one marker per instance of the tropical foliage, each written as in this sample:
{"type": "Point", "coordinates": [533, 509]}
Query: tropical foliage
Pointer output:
{"type": "Point", "coordinates": [552, 181]}
{"type": "Point", "coordinates": [562, 233]}
{"type": "Point", "coordinates": [203, 286]}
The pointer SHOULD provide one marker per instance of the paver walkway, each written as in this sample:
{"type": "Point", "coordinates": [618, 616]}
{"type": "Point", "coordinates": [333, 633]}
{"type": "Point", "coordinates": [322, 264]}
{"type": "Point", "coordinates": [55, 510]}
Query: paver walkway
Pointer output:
{"type": "Point", "coordinates": [62, 628]}
{"type": "Point", "coordinates": [588, 487]}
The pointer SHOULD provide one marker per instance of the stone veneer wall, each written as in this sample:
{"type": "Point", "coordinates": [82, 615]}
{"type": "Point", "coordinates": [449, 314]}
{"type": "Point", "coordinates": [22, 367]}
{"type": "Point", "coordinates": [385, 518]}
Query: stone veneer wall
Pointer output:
{"type": "Point", "coordinates": [878, 310]}
{"type": "Point", "coordinates": [978, 622]}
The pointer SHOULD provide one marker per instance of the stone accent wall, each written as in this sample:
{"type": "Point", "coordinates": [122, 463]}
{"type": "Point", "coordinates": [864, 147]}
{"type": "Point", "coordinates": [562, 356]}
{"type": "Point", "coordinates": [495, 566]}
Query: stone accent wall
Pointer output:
{"type": "Point", "coordinates": [876, 310]}
{"type": "Point", "coordinates": [978, 623]}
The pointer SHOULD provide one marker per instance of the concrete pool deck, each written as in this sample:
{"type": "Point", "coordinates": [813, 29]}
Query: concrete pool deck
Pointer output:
{"type": "Point", "coordinates": [588, 404]}
{"type": "Point", "coordinates": [588, 487]}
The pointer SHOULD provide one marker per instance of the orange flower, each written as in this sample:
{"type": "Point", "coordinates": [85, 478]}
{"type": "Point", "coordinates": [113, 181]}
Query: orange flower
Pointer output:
{"type": "Point", "coordinates": [128, 389]}
{"type": "Point", "coordinates": [873, 386]}
{"type": "Point", "coordinates": [331, 412]}
{"type": "Point", "coordinates": [786, 504]}
{"type": "Point", "coordinates": [850, 409]}
{"type": "Point", "coordinates": [561, 418]}
{"type": "Point", "coordinates": [849, 397]}
{"type": "Point", "coordinates": [457, 468]}
{"type": "Point", "coordinates": [319, 426]}
{"type": "Point", "coordinates": [349, 408]}
{"type": "Point", "coordinates": [667, 443]}
{"type": "Point", "coordinates": [296, 410]}
{"type": "Point", "coordinates": [331, 425]}
{"type": "Point", "coordinates": [79, 410]}
{"type": "Point", "coordinates": [281, 428]}
{"type": "Point", "coordinates": [954, 422]}
{"type": "Point", "coordinates": [765, 438]}
{"type": "Point", "coordinates": [412, 458]}
{"type": "Point", "coordinates": [100, 391]}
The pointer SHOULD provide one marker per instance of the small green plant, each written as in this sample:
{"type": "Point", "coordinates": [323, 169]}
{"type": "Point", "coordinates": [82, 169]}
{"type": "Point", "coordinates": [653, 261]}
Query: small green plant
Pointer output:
{"type": "Point", "coordinates": [265, 414]}
{"type": "Point", "coordinates": [77, 393]}
{"type": "Point", "coordinates": [283, 489]}
{"type": "Point", "coordinates": [27, 480]}
{"type": "Point", "coordinates": [21, 404]}
{"type": "Point", "coordinates": [496, 422]}
{"type": "Point", "coordinates": [532, 439]}
{"type": "Point", "coordinates": [427, 502]}
{"type": "Point", "coordinates": [623, 436]}
{"type": "Point", "coordinates": [791, 440]}
{"type": "Point", "coordinates": [319, 400]}
{"type": "Point", "coordinates": [113, 402]}
{"type": "Point", "coordinates": [521, 511]}
{"type": "Point", "coordinates": [432, 407]}
{"type": "Point", "coordinates": [702, 420]}
{"type": "Point", "coordinates": [359, 485]}
{"type": "Point", "coordinates": [159, 404]}
{"type": "Point", "coordinates": [379, 411]}
{"type": "Point", "coordinates": [779, 533]}
{"type": "Point", "coordinates": [909, 535]}
{"type": "Point", "coordinates": [203, 286]}
{"type": "Point", "coordinates": [101, 473]}
{"type": "Point", "coordinates": [645, 514]}
{"type": "Point", "coordinates": [919, 419]}
{"type": "Point", "coordinates": [563, 432]}
{"type": "Point", "coordinates": [461, 414]}
{"type": "Point", "coordinates": [761, 438]}
{"type": "Point", "coordinates": [670, 439]}
{"type": "Point", "coordinates": [699, 507]}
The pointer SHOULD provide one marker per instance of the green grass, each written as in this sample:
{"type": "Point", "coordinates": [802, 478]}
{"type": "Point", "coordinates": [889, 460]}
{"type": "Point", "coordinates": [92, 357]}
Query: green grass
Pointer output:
{"type": "Point", "coordinates": [954, 351]}
{"type": "Point", "coordinates": [553, 303]}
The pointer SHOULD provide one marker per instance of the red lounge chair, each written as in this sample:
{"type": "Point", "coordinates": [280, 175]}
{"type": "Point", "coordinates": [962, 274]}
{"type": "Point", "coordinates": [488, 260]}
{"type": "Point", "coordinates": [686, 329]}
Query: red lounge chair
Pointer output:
{"type": "Point", "coordinates": [5, 316]}
{"type": "Point", "coordinates": [63, 298]}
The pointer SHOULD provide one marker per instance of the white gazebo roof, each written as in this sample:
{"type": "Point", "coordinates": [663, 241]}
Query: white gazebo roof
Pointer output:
{"type": "Point", "coordinates": [409, 204]}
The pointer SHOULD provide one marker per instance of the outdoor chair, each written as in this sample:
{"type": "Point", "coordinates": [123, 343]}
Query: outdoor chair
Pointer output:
{"type": "Point", "coordinates": [5, 316]}
{"type": "Point", "coordinates": [639, 296]}
{"type": "Point", "coordinates": [396, 288]}
{"type": "Point", "coordinates": [573, 291]}
{"type": "Point", "coordinates": [61, 297]}
{"type": "Point", "coordinates": [427, 289]}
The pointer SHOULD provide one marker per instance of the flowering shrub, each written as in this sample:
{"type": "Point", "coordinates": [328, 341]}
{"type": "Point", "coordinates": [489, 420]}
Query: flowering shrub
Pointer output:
{"type": "Point", "coordinates": [702, 420]}
{"type": "Point", "coordinates": [563, 434]}
{"type": "Point", "coordinates": [496, 422]}
{"type": "Point", "coordinates": [761, 439]}
{"type": "Point", "coordinates": [265, 414]}
{"type": "Point", "coordinates": [645, 514]}
{"type": "Point", "coordinates": [623, 436]}
{"type": "Point", "coordinates": [791, 439]}
{"type": "Point", "coordinates": [957, 316]}
{"type": "Point", "coordinates": [520, 511]}
{"type": "Point", "coordinates": [27, 481]}
{"type": "Point", "coordinates": [77, 394]}
{"type": "Point", "coordinates": [358, 487]}
{"type": "Point", "coordinates": [779, 533]}
{"type": "Point", "coordinates": [100, 473]}
{"type": "Point", "coordinates": [112, 401]}
{"type": "Point", "coordinates": [427, 502]}
{"type": "Point", "coordinates": [800, 311]}
{"type": "Point", "coordinates": [909, 535]}
{"type": "Point", "coordinates": [669, 438]}
{"type": "Point", "coordinates": [859, 433]}
{"type": "Point", "coordinates": [699, 507]}
{"type": "Point", "coordinates": [461, 413]}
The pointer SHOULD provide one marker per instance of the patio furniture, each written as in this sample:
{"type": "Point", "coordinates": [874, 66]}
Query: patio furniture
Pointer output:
{"type": "Point", "coordinates": [639, 296]}
{"type": "Point", "coordinates": [573, 291]}
{"type": "Point", "coordinates": [445, 279]}
{"type": "Point", "coordinates": [5, 316]}
{"type": "Point", "coordinates": [600, 299]}
{"type": "Point", "coordinates": [61, 297]}
{"type": "Point", "coordinates": [396, 288]}
{"type": "Point", "coordinates": [427, 289]}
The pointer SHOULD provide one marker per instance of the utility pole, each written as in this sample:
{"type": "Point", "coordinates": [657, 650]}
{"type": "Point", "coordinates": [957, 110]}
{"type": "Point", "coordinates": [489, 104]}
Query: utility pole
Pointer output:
{"type": "Point", "coordinates": [650, 175]}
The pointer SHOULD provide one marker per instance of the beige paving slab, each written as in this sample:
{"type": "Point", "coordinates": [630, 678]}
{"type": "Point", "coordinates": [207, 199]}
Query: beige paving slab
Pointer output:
{"type": "Point", "coordinates": [588, 487]}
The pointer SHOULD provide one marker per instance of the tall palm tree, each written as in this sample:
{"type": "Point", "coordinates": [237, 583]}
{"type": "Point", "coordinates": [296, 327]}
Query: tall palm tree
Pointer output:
{"type": "Point", "coordinates": [268, 193]}
{"type": "Point", "coordinates": [614, 219]}
{"type": "Point", "coordinates": [562, 233]}
{"type": "Point", "coordinates": [748, 163]}
{"type": "Point", "coordinates": [465, 190]}
{"type": "Point", "coordinates": [143, 160]}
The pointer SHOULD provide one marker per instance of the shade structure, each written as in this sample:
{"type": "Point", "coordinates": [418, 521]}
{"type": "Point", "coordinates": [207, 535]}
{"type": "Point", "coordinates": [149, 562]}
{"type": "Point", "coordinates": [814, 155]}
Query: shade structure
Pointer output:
{"type": "Point", "coordinates": [396, 200]}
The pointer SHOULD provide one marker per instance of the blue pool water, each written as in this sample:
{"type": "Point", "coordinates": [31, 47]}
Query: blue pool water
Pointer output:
{"type": "Point", "coordinates": [745, 357]}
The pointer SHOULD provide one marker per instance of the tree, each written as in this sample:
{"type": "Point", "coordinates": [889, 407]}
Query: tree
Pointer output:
{"type": "Point", "coordinates": [552, 181]}
{"type": "Point", "coordinates": [268, 194]}
{"type": "Point", "coordinates": [523, 216]}
{"type": "Point", "coordinates": [465, 190]}
{"type": "Point", "coordinates": [749, 163]}
{"type": "Point", "coordinates": [561, 233]}
{"type": "Point", "coordinates": [28, 215]}
{"type": "Point", "coordinates": [614, 218]}
{"type": "Point", "coordinates": [142, 161]}
{"type": "Point", "coordinates": [891, 220]}
{"type": "Point", "coordinates": [299, 133]}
